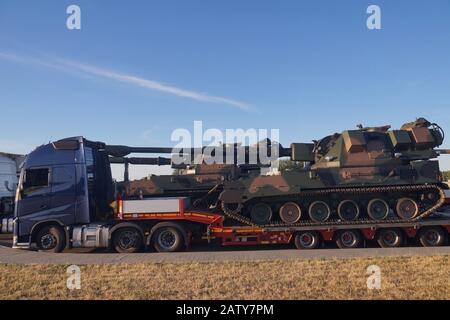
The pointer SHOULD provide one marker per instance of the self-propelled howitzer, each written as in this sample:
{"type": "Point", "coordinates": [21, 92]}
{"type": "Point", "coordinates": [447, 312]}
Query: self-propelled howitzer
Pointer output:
{"type": "Point", "coordinates": [372, 173]}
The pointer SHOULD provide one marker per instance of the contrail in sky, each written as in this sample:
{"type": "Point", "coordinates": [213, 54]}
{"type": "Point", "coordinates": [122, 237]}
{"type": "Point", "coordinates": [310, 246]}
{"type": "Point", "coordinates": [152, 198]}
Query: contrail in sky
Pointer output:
{"type": "Point", "coordinates": [70, 66]}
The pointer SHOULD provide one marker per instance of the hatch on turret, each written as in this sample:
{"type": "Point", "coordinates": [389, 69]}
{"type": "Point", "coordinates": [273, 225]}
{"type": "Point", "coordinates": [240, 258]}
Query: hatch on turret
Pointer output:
{"type": "Point", "coordinates": [354, 141]}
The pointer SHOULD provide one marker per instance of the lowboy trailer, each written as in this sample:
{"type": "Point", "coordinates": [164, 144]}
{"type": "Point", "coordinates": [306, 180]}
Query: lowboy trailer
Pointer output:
{"type": "Point", "coordinates": [432, 232]}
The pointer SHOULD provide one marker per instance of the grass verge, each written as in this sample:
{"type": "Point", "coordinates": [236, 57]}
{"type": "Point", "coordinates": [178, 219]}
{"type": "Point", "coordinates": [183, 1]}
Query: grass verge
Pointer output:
{"type": "Point", "coordinates": [401, 278]}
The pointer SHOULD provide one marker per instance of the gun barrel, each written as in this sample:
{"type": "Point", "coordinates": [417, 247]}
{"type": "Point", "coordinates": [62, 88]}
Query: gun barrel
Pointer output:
{"type": "Point", "coordinates": [120, 151]}
{"type": "Point", "coordinates": [443, 151]}
{"type": "Point", "coordinates": [141, 161]}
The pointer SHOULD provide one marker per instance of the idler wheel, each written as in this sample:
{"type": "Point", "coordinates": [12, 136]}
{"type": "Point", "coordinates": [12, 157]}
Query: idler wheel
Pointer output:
{"type": "Point", "coordinates": [261, 213]}
{"type": "Point", "coordinates": [348, 210]}
{"type": "Point", "coordinates": [407, 208]}
{"type": "Point", "coordinates": [319, 211]}
{"type": "Point", "coordinates": [378, 209]}
{"type": "Point", "coordinates": [231, 208]}
{"type": "Point", "coordinates": [290, 212]}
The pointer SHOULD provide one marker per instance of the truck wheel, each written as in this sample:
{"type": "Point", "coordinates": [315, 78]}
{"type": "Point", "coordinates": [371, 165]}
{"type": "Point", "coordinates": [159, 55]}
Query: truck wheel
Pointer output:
{"type": "Point", "coordinates": [307, 240]}
{"type": "Point", "coordinates": [51, 239]}
{"type": "Point", "coordinates": [127, 240]}
{"type": "Point", "coordinates": [349, 239]}
{"type": "Point", "coordinates": [432, 237]}
{"type": "Point", "coordinates": [167, 239]}
{"type": "Point", "coordinates": [390, 238]}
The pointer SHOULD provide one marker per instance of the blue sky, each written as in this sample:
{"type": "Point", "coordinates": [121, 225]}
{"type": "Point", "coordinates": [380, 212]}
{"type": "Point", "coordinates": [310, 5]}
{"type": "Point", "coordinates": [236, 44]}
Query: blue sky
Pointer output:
{"type": "Point", "coordinates": [308, 68]}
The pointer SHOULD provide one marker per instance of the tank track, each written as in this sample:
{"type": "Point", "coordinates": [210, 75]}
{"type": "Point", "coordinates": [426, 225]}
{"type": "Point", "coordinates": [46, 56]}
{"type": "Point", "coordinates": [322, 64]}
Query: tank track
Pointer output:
{"type": "Point", "coordinates": [348, 191]}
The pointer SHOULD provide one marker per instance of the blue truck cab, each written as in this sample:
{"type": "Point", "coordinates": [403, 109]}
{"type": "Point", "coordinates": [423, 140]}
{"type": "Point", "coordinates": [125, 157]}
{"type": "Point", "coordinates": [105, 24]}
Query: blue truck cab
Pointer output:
{"type": "Point", "coordinates": [62, 184]}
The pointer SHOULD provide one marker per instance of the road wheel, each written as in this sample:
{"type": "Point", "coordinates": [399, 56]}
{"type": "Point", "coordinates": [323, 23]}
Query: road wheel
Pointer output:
{"type": "Point", "coordinates": [433, 237]}
{"type": "Point", "coordinates": [319, 211]}
{"type": "Point", "coordinates": [307, 240]}
{"type": "Point", "coordinates": [51, 239]}
{"type": "Point", "coordinates": [127, 240]}
{"type": "Point", "coordinates": [348, 210]}
{"type": "Point", "coordinates": [378, 209]}
{"type": "Point", "coordinates": [407, 208]}
{"type": "Point", "coordinates": [261, 213]}
{"type": "Point", "coordinates": [290, 212]}
{"type": "Point", "coordinates": [167, 239]}
{"type": "Point", "coordinates": [390, 238]}
{"type": "Point", "coordinates": [349, 239]}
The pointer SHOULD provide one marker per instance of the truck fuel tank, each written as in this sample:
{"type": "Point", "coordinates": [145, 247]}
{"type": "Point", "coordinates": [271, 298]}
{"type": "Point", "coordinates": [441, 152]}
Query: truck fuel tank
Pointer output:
{"type": "Point", "coordinates": [90, 236]}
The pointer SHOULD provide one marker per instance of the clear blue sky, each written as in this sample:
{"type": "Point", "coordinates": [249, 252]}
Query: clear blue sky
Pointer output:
{"type": "Point", "coordinates": [309, 68]}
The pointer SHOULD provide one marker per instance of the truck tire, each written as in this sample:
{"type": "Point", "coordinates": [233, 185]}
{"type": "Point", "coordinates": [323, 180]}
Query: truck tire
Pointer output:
{"type": "Point", "coordinates": [349, 239]}
{"type": "Point", "coordinates": [51, 239]}
{"type": "Point", "coordinates": [167, 239]}
{"type": "Point", "coordinates": [433, 236]}
{"type": "Point", "coordinates": [390, 238]}
{"type": "Point", "coordinates": [127, 240]}
{"type": "Point", "coordinates": [307, 240]}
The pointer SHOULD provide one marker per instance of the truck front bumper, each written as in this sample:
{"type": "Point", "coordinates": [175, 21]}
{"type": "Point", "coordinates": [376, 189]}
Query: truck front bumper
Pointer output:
{"type": "Point", "coordinates": [21, 245]}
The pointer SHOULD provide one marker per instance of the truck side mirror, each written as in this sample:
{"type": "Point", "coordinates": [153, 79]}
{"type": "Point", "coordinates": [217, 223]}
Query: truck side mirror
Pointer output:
{"type": "Point", "coordinates": [20, 191]}
{"type": "Point", "coordinates": [10, 188]}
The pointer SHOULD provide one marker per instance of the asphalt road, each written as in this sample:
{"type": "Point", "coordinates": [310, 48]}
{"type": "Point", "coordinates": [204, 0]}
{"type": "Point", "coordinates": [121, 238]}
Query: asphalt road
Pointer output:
{"type": "Point", "coordinates": [203, 253]}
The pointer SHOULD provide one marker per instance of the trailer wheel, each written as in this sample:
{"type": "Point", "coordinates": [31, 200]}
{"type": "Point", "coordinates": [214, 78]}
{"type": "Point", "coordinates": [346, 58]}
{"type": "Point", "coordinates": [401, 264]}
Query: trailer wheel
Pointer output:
{"type": "Point", "coordinates": [390, 238]}
{"type": "Point", "coordinates": [307, 240]}
{"type": "Point", "coordinates": [127, 240]}
{"type": "Point", "coordinates": [349, 239]}
{"type": "Point", "coordinates": [51, 239]}
{"type": "Point", "coordinates": [167, 239]}
{"type": "Point", "coordinates": [432, 237]}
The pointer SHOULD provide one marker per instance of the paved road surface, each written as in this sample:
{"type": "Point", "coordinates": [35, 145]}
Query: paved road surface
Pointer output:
{"type": "Point", "coordinates": [203, 254]}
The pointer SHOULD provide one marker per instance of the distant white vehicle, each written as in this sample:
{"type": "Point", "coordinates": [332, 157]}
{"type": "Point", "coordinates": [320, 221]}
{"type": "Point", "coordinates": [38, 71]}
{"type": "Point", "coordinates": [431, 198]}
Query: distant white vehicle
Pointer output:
{"type": "Point", "coordinates": [9, 172]}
